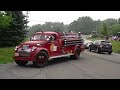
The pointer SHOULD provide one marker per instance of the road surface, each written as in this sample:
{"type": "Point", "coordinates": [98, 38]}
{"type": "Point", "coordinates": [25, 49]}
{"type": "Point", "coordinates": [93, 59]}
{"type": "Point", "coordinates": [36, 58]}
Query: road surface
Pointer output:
{"type": "Point", "coordinates": [90, 66]}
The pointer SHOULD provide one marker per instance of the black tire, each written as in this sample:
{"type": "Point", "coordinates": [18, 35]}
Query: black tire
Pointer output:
{"type": "Point", "coordinates": [89, 48]}
{"type": "Point", "coordinates": [21, 62]}
{"type": "Point", "coordinates": [109, 52]}
{"type": "Point", "coordinates": [77, 54]}
{"type": "Point", "coordinates": [97, 50]}
{"type": "Point", "coordinates": [41, 59]}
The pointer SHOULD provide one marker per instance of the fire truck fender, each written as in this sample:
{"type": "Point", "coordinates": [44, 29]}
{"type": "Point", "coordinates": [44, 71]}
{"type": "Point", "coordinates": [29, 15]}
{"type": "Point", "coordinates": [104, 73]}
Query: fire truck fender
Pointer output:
{"type": "Point", "coordinates": [42, 49]}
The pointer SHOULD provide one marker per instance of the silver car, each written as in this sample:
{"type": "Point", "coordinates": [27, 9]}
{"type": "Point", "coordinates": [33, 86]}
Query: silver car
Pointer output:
{"type": "Point", "coordinates": [87, 43]}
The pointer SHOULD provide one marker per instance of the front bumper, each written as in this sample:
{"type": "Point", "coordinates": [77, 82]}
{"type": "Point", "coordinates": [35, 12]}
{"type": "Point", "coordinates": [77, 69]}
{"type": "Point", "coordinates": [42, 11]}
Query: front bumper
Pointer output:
{"type": "Point", "coordinates": [105, 50]}
{"type": "Point", "coordinates": [24, 58]}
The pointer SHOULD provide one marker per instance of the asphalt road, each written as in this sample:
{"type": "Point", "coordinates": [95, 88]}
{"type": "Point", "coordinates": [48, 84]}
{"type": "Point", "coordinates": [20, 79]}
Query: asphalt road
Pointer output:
{"type": "Point", "coordinates": [90, 66]}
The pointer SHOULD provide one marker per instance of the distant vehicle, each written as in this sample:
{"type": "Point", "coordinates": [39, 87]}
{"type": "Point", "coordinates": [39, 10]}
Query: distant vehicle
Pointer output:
{"type": "Point", "coordinates": [87, 43]}
{"type": "Point", "coordinates": [101, 46]}
{"type": "Point", "coordinates": [118, 36]}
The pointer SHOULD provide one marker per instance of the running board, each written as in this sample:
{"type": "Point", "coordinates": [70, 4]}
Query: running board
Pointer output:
{"type": "Point", "coordinates": [60, 56]}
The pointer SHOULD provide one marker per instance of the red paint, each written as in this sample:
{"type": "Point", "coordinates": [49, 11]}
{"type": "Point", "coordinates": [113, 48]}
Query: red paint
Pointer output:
{"type": "Point", "coordinates": [52, 48]}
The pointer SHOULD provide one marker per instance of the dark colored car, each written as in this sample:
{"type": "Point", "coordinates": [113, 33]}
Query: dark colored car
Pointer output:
{"type": "Point", "coordinates": [101, 46]}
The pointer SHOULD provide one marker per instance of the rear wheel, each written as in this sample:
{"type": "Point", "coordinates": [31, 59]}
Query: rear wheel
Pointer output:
{"type": "Point", "coordinates": [21, 62]}
{"type": "Point", "coordinates": [77, 54]}
{"type": "Point", "coordinates": [97, 50]}
{"type": "Point", "coordinates": [41, 59]}
{"type": "Point", "coordinates": [89, 48]}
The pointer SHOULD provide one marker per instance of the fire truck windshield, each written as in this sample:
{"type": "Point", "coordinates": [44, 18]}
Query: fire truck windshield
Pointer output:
{"type": "Point", "coordinates": [41, 37]}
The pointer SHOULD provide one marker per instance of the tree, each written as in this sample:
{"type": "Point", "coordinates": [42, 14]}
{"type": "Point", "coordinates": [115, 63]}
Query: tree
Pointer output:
{"type": "Point", "coordinates": [104, 30]}
{"type": "Point", "coordinates": [4, 20]}
{"type": "Point", "coordinates": [16, 32]}
{"type": "Point", "coordinates": [48, 26]}
{"type": "Point", "coordinates": [119, 20]}
{"type": "Point", "coordinates": [82, 24]}
{"type": "Point", "coordinates": [35, 28]}
{"type": "Point", "coordinates": [115, 29]}
{"type": "Point", "coordinates": [110, 21]}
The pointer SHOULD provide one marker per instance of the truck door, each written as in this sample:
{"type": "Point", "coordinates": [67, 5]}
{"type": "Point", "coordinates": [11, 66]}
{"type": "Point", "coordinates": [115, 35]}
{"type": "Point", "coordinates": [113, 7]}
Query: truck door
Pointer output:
{"type": "Point", "coordinates": [54, 46]}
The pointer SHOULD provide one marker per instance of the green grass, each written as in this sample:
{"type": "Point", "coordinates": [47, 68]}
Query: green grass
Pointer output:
{"type": "Point", "coordinates": [115, 44]}
{"type": "Point", "coordinates": [6, 55]}
{"type": "Point", "coordinates": [97, 38]}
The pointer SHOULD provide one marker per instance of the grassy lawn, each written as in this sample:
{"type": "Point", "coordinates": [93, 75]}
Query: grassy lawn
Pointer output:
{"type": "Point", "coordinates": [115, 44]}
{"type": "Point", "coordinates": [6, 55]}
{"type": "Point", "coordinates": [97, 38]}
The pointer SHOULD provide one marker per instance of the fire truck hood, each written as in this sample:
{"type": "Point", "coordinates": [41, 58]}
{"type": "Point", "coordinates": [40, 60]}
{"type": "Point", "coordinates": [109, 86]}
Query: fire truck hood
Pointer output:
{"type": "Point", "coordinates": [35, 42]}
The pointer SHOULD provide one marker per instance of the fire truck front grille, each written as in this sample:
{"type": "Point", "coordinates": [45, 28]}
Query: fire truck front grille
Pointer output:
{"type": "Point", "coordinates": [24, 54]}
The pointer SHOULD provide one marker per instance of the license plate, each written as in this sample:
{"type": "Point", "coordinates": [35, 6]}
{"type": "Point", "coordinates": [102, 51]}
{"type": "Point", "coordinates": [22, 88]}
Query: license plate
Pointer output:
{"type": "Point", "coordinates": [16, 54]}
{"type": "Point", "coordinates": [107, 46]}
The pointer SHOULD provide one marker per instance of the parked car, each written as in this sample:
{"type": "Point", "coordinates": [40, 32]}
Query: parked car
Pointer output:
{"type": "Point", "coordinates": [101, 46]}
{"type": "Point", "coordinates": [87, 43]}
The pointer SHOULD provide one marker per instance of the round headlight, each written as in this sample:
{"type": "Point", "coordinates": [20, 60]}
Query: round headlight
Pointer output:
{"type": "Point", "coordinates": [17, 47]}
{"type": "Point", "coordinates": [33, 48]}
{"type": "Point", "coordinates": [38, 44]}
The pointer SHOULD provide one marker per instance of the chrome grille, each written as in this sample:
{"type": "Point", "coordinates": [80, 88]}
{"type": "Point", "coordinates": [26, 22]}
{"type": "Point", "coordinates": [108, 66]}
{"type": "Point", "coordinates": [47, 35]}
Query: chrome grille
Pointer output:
{"type": "Point", "coordinates": [24, 54]}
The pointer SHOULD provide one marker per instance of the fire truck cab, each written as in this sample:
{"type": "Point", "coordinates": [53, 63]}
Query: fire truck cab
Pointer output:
{"type": "Point", "coordinates": [45, 46]}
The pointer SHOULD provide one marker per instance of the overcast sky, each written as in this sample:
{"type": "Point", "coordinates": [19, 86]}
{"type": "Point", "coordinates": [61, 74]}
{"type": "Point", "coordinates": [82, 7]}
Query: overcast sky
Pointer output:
{"type": "Point", "coordinates": [40, 17]}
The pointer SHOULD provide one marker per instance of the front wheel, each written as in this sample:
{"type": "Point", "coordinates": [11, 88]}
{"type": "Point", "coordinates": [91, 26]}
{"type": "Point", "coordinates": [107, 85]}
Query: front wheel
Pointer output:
{"type": "Point", "coordinates": [21, 62]}
{"type": "Point", "coordinates": [109, 52]}
{"type": "Point", "coordinates": [41, 59]}
{"type": "Point", "coordinates": [77, 54]}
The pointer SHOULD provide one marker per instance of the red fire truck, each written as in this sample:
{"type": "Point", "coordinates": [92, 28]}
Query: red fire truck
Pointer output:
{"type": "Point", "coordinates": [47, 45]}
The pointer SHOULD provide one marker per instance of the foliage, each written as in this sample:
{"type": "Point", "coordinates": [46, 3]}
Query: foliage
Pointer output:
{"type": "Point", "coordinates": [13, 26]}
{"type": "Point", "coordinates": [48, 26]}
{"type": "Point", "coordinates": [104, 30]}
{"type": "Point", "coordinates": [115, 29]}
{"type": "Point", "coordinates": [4, 20]}
{"type": "Point", "coordinates": [15, 33]}
{"type": "Point", "coordinates": [82, 24]}
{"type": "Point", "coordinates": [110, 21]}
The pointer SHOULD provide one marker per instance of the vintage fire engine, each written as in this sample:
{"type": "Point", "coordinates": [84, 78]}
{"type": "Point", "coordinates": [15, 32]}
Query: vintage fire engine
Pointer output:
{"type": "Point", "coordinates": [45, 46]}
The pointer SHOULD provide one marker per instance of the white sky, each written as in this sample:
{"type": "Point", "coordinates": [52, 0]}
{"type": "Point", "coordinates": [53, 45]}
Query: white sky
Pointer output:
{"type": "Point", "coordinates": [40, 17]}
